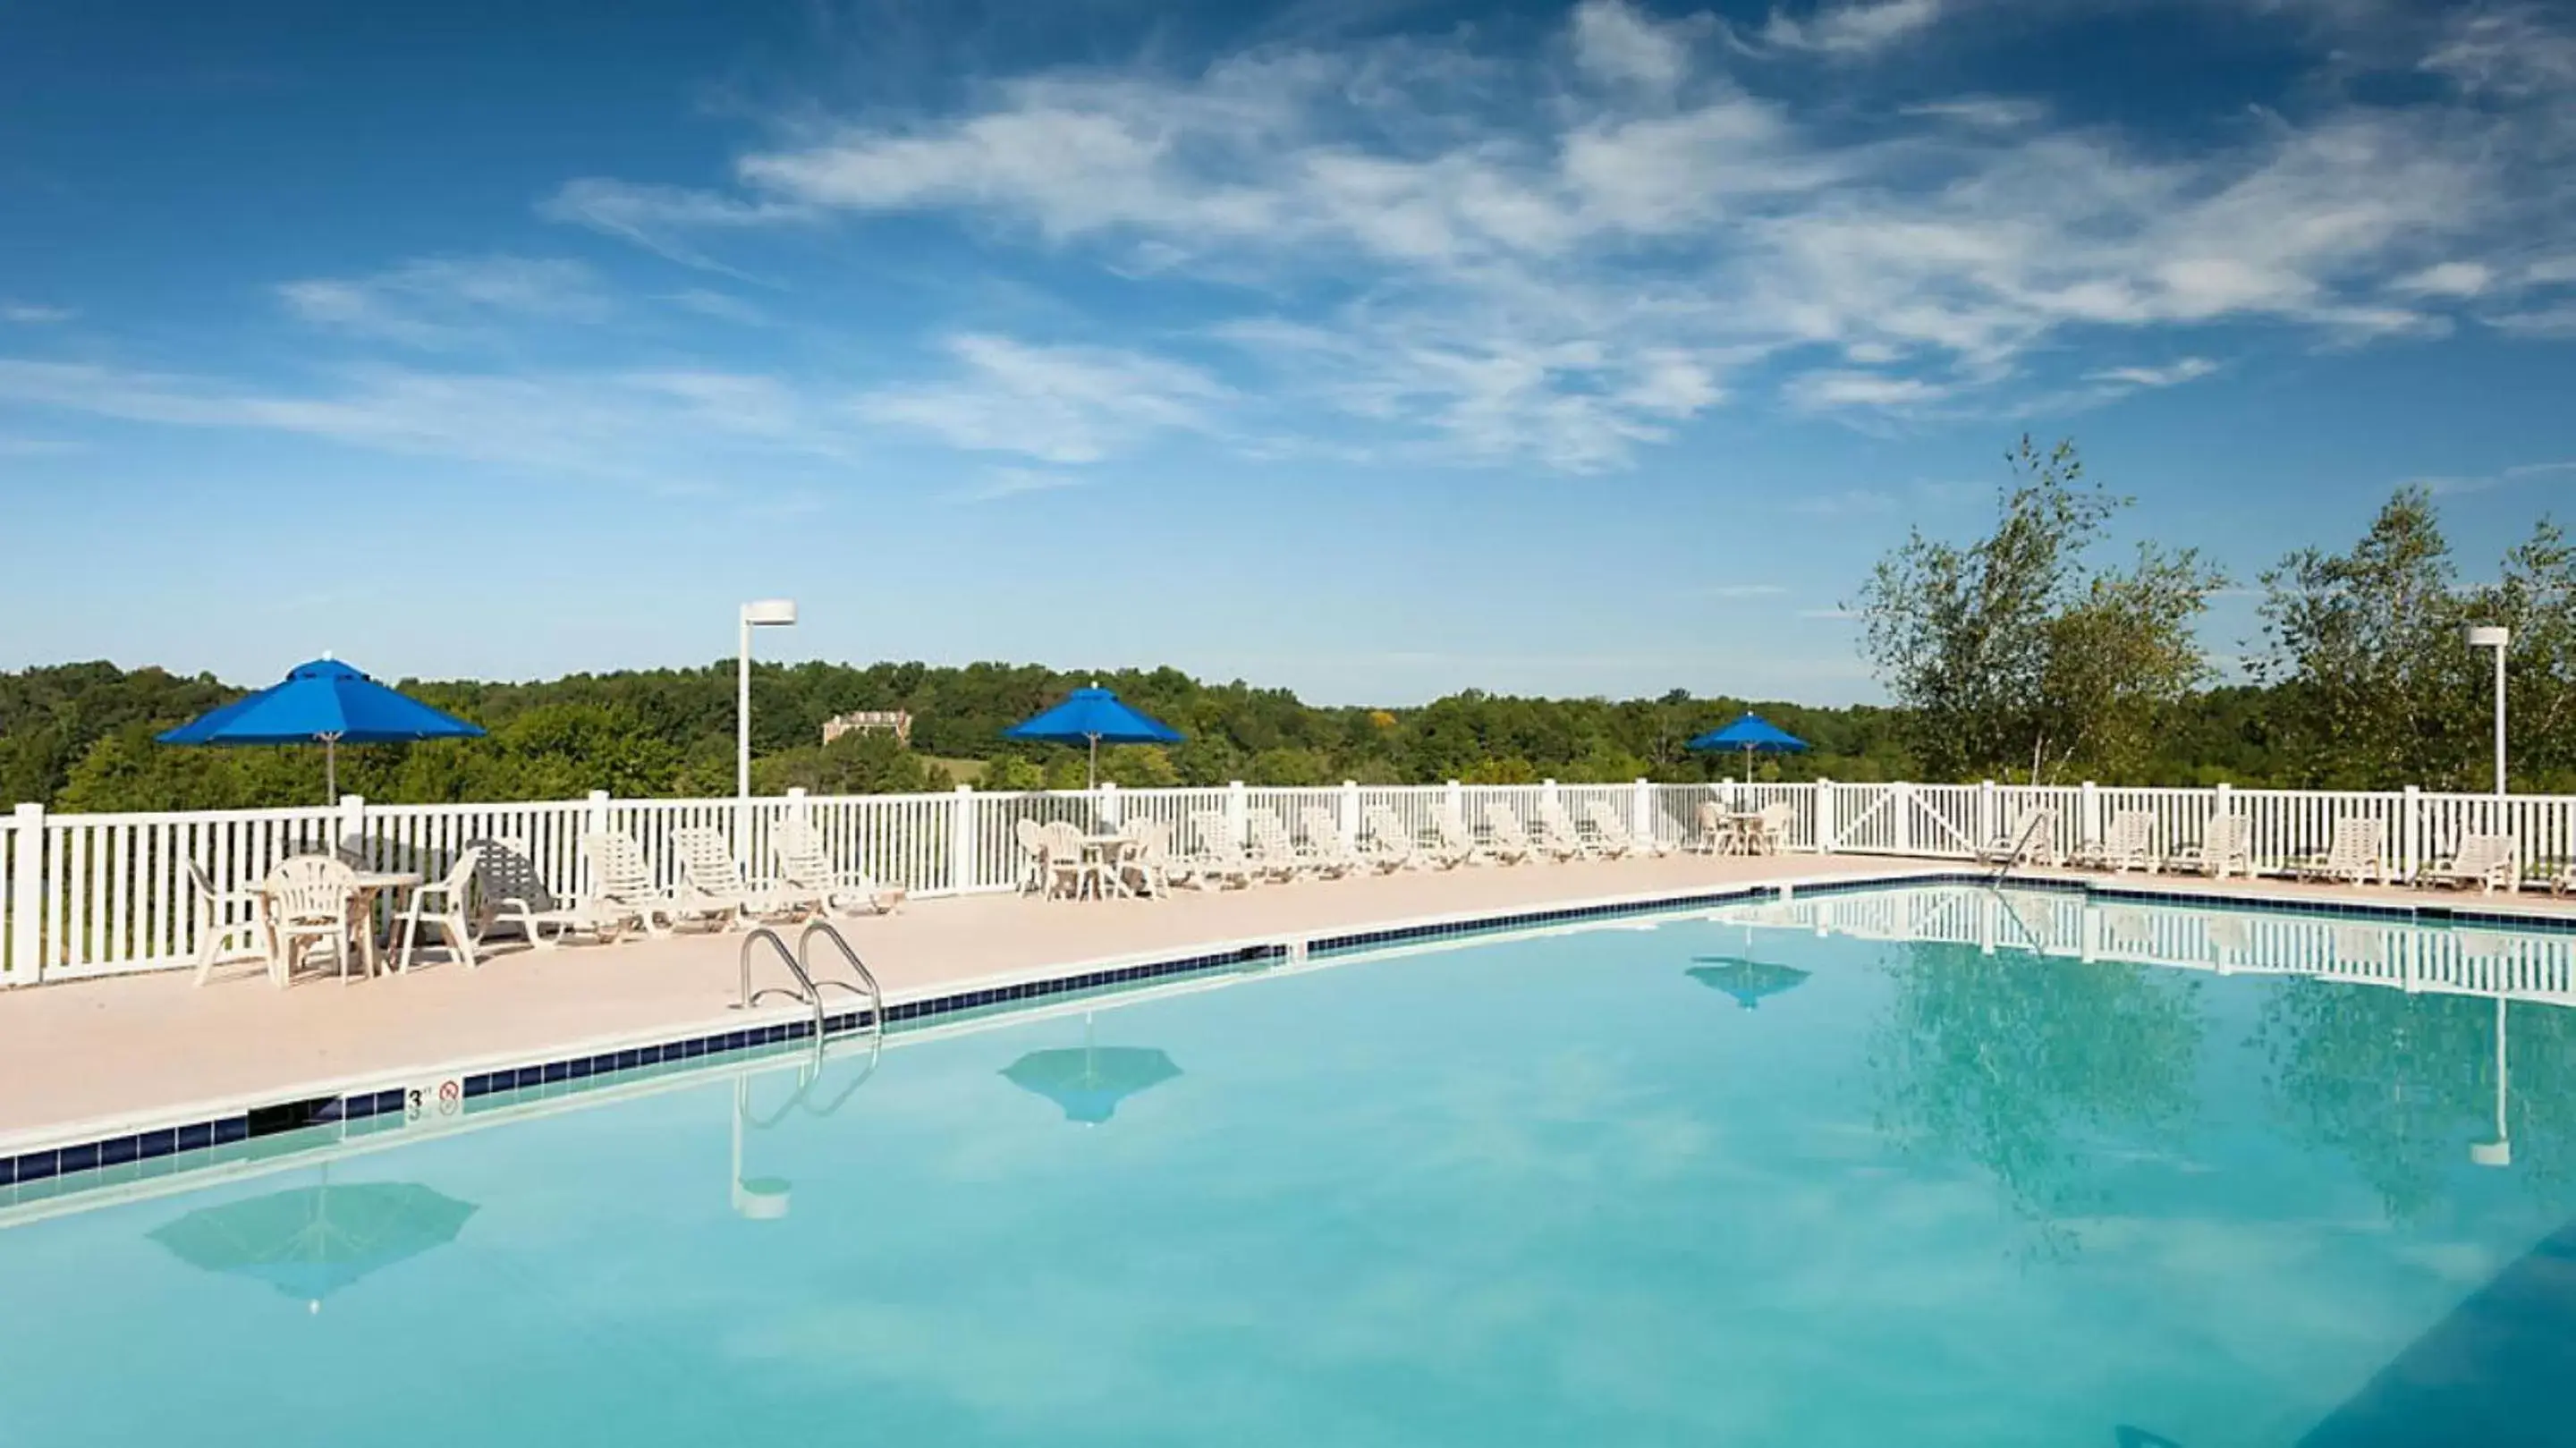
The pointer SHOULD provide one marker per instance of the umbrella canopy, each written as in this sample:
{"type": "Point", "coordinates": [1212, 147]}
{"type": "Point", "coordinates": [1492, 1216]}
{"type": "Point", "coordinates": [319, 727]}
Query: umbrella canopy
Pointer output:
{"type": "Point", "coordinates": [1093, 716]}
{"type": "Point", "coordinates": [1746, 980]}
{"type": "Point", "coordinates": [311, 1242]}
{"type": "Point", "coordinates": [324, 702]}
{"type": "Point", "coordinates": [1752, 734]}
{"type": "Point", "coordinates": [1089, 1082]}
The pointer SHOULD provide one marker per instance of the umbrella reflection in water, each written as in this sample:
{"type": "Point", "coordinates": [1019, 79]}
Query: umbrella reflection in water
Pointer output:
{"type": "Point", "coordinates": [1090, 1082]}
{"type": "Point", "coordinates": [1745, 979]}
{"type": "Point", "coordinates": [313, 1241]}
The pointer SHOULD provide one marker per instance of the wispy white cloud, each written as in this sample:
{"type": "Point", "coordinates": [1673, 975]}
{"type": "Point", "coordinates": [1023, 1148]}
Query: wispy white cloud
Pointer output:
{"type": "Point", "coordinates": [2446, 485]}
{"type": "Point", "coordinates": [30, 314]}
{"type": "Point", "coordinates": [1615, 43]}
{"type": "Point", "coordinates": [448, 301]}
{"type": "Point", "coordinates": [2189, 369]}
{"type": "Point", "coordinates": [1568, 281]}
{"type": "Point", "coordinates": [633, 426]}
{"type": "Point", "coordinates": [1860, 27]}
{"type": "Point", "coordinates": [1057, 404]}
{"type": "Point", "coordinates": [1000, 483]}
{"type": "Point", "coordinates": [1846, 503]}
{"type": "Point", "coordinates": [1827, 613]}
{"type": "Point", "coordinates": [723, 306]}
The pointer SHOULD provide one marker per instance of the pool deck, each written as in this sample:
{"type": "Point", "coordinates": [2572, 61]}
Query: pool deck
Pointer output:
{"type": "Point", "coordinates": [100, 1052]}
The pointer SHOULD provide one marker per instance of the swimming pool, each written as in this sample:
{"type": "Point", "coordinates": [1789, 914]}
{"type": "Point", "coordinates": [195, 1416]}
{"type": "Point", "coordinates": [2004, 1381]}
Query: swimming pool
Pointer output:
{"type": "Point", "coordinates": [1748, 1176]}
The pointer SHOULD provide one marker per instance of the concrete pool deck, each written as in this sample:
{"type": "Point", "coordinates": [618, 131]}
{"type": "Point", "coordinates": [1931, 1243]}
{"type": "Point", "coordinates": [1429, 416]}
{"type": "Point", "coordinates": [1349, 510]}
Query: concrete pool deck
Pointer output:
{"type": "Point", "coordinates": [105, 1051]}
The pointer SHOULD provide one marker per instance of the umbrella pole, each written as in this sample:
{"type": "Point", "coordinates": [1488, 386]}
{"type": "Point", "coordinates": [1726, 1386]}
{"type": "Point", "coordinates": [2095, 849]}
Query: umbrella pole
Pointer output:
{"type": "Point", "coordinates": [1095, 761]}
{"type": "Point", "coordinates": [330, 769]}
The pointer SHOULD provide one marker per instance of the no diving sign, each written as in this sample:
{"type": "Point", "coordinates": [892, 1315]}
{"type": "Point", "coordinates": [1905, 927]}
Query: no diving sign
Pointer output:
{"type": "Point", "coordinates": [437, 1102]}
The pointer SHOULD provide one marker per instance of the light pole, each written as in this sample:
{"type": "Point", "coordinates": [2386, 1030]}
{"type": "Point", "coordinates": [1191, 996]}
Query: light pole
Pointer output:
{"type": "Point", "coordinates": [2495, 636]}
{"type": "Point", "coordinates": [766, 613]}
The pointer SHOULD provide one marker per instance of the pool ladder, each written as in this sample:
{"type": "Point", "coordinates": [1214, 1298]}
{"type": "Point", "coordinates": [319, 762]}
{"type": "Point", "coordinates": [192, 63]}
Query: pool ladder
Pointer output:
{"type": "Point", "coordinates": [800, 965]}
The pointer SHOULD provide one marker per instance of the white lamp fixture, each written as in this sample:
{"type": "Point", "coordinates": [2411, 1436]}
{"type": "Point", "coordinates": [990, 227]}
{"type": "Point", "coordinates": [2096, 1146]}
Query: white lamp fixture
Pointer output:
{"type": "Point", "coordinates": [762, 613]}
{"type": "Point", "coordinates": [2493, 636]}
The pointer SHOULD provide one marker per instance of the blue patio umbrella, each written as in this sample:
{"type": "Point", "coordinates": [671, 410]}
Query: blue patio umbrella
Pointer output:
{"type": "Point", "coordinates": [1093, 716]}
{"type": "Point", "coordinates": [324, 702]}
{"type": "Point", "coordinates": [1089, 1083]}
{"type": "Point", "coordinates": [1751, 733]}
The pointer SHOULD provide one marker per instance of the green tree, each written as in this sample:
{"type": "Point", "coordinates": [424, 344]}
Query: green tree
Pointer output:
{"type": "Point", "coordinates": [2018, 652]}
{"type": "Point", "coordinates": [2029, 1067]}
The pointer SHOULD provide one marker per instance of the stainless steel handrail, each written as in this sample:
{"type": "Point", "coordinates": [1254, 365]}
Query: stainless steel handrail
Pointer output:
{"type": "Point", "coordinates": [749, 997]}
{"type": "Point", "coordinates": [867, 985]}
{"type": "Point", "coordinates": [2021, 844]}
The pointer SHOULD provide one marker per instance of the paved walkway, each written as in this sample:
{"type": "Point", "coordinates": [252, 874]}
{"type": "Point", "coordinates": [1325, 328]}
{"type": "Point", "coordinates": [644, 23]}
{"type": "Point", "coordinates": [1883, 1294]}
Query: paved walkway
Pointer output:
{"type": "Point", "coordinates": [97, 1051]}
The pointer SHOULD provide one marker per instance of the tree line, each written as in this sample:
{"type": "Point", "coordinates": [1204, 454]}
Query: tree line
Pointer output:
{"type": "Point", "coordinates": [2027, 653]}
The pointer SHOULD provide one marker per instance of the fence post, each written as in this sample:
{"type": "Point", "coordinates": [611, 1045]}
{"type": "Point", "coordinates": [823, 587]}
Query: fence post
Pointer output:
{"type": "Point", "coordinates": [1641, 813]}
{"type": "Point", "coordinates": [26, 898]}
{"type": "Point", "coordinates": [1904, 807]}
{"type": "Point", "coordinates": [961, 839]}
{"type": "Point", "coordinates": [1108, 804]}
{"type": "Point", "coordinates": [353, 828]}
{"type": "Point", "coordinates": [2410, 833]}
{"type": "Point", "coordinates": [1826, 833]}
{"type": "Point", "coordinates": [1546, 796]}
{"type": "Point", "coordinates": [1238, 810]}
{"type": "Point", "coordinates": [2088, 811]}
{"type": "Point", "coordinates": [1351, 812]}
{"type": "Point", "coordinates": [1987, 827]}
{"type": "Point", "coordinates": [1453, 803]}
{"type": "Point", "coordinates": [594, 821]}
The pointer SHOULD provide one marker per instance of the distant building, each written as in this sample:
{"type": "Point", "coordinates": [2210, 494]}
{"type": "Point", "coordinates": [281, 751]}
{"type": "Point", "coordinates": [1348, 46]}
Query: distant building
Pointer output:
{"type": "Point", "coordinates": [871, 721]}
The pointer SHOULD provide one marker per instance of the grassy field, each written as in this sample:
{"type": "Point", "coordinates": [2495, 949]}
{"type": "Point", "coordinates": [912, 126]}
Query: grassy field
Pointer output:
{"type": "Point", "coordinates": [964, 771]}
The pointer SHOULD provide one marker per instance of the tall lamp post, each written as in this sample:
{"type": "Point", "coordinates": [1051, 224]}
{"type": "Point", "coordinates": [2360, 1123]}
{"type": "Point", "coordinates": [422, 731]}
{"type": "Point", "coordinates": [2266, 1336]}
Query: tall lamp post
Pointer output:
{"type": "Point", "coordinates": [766, 613]}
{"type": "Point", "coordinates": [2495, 636]}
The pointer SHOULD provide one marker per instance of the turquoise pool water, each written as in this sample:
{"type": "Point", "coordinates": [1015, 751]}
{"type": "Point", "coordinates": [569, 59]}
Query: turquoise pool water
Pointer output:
{"type": "Point", "coordinates": [1558, 1190]}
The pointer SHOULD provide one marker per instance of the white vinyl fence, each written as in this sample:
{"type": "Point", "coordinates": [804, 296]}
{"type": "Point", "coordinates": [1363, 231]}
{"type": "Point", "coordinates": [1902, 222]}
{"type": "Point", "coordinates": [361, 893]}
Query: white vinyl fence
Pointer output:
{"type": "Point", "coordinates": [2458, 961]}
{"type": "Point", "coordinates": [85, 895]}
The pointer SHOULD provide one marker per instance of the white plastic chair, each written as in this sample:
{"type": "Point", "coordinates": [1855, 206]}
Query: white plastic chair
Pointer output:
{"type": "Point", "coordinates": [311, 899]}
{"type": "Point", "coordinates": [229, 927]}
{"type": "Point", "coordinates": [441, 903]}
{"type": "Point", "coordinates": [1505, 839]}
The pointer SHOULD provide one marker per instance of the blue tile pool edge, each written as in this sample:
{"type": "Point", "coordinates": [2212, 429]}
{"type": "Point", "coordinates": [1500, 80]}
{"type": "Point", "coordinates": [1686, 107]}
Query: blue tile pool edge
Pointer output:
{"type": "Point", "coordinates": [388, 1104]}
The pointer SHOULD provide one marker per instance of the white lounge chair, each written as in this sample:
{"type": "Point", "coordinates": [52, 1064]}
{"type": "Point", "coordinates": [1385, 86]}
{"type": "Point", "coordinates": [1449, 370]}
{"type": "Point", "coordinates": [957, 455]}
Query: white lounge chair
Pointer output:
{"type": "Point", "coordinates": [1326, 852]}
{"type": "Point", "coordinates": [713, 884]}
{"type": "Point", "coordinates": [623, 887]}
{"type": "Point", "coordinates": [230, 928]}
{"type": "Point", "coordinates": [1615, 839]}
{"type": "Point", "coordinates": [2226, 845]}
{"type": "Point", "coordinates": [1557, 834]}
{"type": "Point", "coordinates": [1457, 844]}
{"type": "Point", "coordinates": [2031, 839]}
{"type": "Point", "coordinates": [2127, 843]}
{"type": "Point", "coordinates": [2485, 861]}
{"type": "Point", "coordinates": [1030, 837]}
{"type": "Point", "coordinates": [1268, 847]}
{"type": "Point", "coordinates": [1505, 840]}
{"type": "Point", "coordinates": [805, 866]}
{"type": "Point", "coordinates": [2355, 854]}
{"type": "Point", "coordinates": [1384, 841]}
{"type": "Point", "coordinates": [441, 903]}
{"type": "Point", "coordinates": [1219, 857]}
{"type": "Point", "coordinates": [514, 896]}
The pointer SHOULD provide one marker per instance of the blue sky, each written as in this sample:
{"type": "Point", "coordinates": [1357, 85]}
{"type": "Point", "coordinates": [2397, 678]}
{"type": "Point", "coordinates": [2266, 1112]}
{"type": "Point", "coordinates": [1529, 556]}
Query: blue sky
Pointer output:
{"type": "Point", "coordinates": [1371, 348]}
